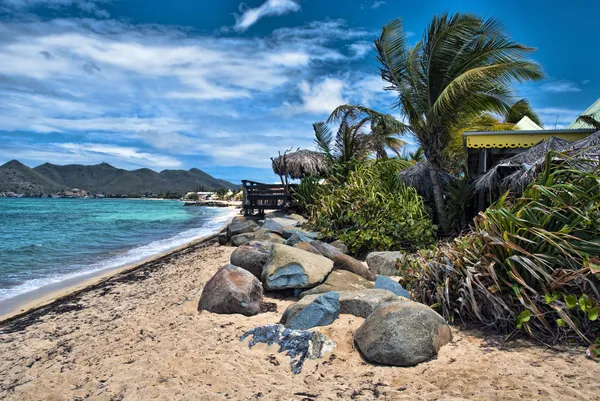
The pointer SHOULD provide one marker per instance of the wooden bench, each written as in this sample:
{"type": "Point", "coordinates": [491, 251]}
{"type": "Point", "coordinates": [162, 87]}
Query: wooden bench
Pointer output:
{"type": "Point", "coordinates": [259, 197]}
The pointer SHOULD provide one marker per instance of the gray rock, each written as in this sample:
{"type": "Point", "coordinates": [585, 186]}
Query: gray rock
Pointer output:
{"type": "Point", "coordinates": [402, 334]}
{"type": "Point", "coordinates": [340, 245]}
{"type": "Point", "coordinates": [297, 344]}
{"type": "Point", "coordinates": [307, 247]}
{"type": "Point", "coordinates": [296, 238]}
{"type": "Point", "coordinates": [298, 218]}
{"type": "Point", "coordinates": [386, 283]}
{"type": "Point", "coordinates": [223, 238]}
{"type": "Point", "coordinates": [268, 236]}
{"type": "Point", "coordinates": [358, 303]}
{"type": "Point", "coordinates": [282, 221]}
{"type": "Point", "coordinates": [252, 257]}
{"type": "Point", "coordinates": [290, 267]}
{"type": "Point", "coordinates": [288, 231]}
{"type": "Point", "coordinates": [329, 251]}
{"type": "Point", "coordinates": [340, 280]}
{"type": "Point", "coordinates": [241, 225]}
{"type": "Point", "coordinates": [241, 239]}
{"type": "Point", "coordinates": [232, 290]}
{"type": "Point", "coordinates": [384, 263]}
{"type": "Point", "coordinates": [320, 312]}
{"type": "Point", "coordinates": [272, 225]}
{"type": "Point", "coordinates": [345, 262]}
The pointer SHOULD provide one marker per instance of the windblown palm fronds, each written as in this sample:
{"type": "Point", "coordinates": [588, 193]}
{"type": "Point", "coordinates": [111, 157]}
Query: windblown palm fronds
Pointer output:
{"type": "Point", "coordinates": [418, 177]}
{"type": "Point", "coordinates": [530, 264]}
{"type": "Point", "coordinates": [462, 67]}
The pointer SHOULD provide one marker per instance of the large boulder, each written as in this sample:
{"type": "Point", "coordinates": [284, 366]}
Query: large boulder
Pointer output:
{"type": "Point", "coordinates": [296, 238]}
{"type": "Point", "coordinates": [282, 221]}
{"type": "Point", "coordinates": [402, 334]}
{"type": "Point", "coordinates": [223, 238]}
{"type": "Point", "coordinates": [326, 250]}
{"type": "Point", "coordinates": [340, 245]}
{"type": "Point", "coordinates": [290, 267]}
{"type": "Point", "coordinates": [272, 225]}
{"type": "Point", "coordinates": [232, 290]}
{"type": "Point", "coordinates": [340, 280]}
{"type": "Point", "coordinates": [252, 257]}
{"type": "Point", "coordinates": [288, 231]}
{"type": "Point", "coordinates": [307, 247]}
{"type": "Point", "coordinates": [322, 311]}
{"type": "Point", "coordinates": [358, 303]}
{"type": "Point", "coordinates": [268, 236]}
{"type": "Point", "coordinates": [385, 263]}
{"type": "Point", "coordinates": [386, 283]}
{"type": "Point", "coordinates": [345, 262]}
{"type": "Point", "coordinates": [241, 225]}
{"type": "Point", "coordinates": [241, 239]}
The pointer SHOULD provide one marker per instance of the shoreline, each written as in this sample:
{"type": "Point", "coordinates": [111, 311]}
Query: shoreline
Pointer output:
{"type": "Point", "coordinates": [39, 298]}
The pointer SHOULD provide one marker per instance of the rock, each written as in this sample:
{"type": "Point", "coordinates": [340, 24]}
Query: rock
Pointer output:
{"type": "Point", "coordinates": [329, 251]}
{"type": "Point", "coordinates": [282, 221]}
{"type": "Point", "coordinates": [232, 290]}
{"type": "Point", "coordinates": [297, 237]}
{"type": "Point", "coordinates": [290, 267]}
{"type": "Point", "coordinates": [345, 262]}
{"type": "Point", "coordinates": [268, 236]}
{"type": "Point", "coordinates": [358, 303]}
{"type": "Point", "coordinates": [252, 257]}
{"type": "Point", "coordinates": [241, 225]}
{"type": "Point", "coordinates": [386, 283]}
{"type": "Point", "coordinates": [307, 247]}
{"type": "Point", "coordinates": [241, 239]}
{"type": "Point", "coordinates": [300, 344]}
{"type": "Point", "coordinates": [288, 231]}
{"type": "Point", "coordinates": [322, 311]}
{"type": "Point", "coordinates": [298, 218]}
{"type": "Point", "coordinates": [340, 245]}
{"type": "Point", "coordinates": [384, 263]}
{"type": "Point", "coordinates": [340, 280]}
{"type": "Point", "coordinates": [223, 238]}
{"type": "Point", "coordinates": [272, 225]}
{"type": "Point", "coordinates": [402, 334]}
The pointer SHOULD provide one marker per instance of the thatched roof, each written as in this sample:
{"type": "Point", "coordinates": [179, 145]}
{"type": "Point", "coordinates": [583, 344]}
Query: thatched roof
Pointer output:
{"type": "Point", "coordinates": [517, 172]}
{"type": "Point", "coordinates": [301, 163]}
{"type": "Point", "coordinates": [417, 176]}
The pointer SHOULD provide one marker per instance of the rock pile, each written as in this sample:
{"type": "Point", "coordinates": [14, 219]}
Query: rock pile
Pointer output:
{"type": "Point", "coordinates": [277, 254]}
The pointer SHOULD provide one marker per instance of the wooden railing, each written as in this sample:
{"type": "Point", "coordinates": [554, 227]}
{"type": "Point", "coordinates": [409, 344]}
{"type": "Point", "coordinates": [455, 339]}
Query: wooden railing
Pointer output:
{"type": "Point", "coordinates": [259, 197]}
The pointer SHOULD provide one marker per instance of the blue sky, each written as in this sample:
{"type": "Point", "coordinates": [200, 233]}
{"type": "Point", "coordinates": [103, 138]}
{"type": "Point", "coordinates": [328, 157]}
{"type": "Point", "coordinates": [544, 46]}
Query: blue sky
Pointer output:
{"type": "Point", "coordinates": [224, 85]}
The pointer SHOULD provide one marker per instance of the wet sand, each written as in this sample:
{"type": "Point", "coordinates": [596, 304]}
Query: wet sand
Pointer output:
{"type": "Point", "coordinates": [138, 336]}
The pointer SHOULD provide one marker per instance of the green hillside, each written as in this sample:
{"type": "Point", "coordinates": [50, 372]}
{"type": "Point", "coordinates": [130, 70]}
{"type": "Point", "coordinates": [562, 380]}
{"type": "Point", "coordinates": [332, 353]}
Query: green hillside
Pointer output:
{"type": "Point", "coordinates": [102, 178]}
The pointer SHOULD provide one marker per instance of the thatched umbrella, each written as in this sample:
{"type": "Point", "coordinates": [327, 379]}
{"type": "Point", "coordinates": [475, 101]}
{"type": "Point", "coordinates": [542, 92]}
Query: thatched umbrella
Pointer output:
{"type": "Point", "coordinates": [498, 175]}
{"type": "Point", "coordinates": [417, 176]}
{"type": "Point", "coordinates": [301, 163]}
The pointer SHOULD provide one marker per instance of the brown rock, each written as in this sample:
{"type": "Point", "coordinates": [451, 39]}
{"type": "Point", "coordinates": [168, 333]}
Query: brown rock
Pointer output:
{"type": "Point", "coordinates": [345, 262]}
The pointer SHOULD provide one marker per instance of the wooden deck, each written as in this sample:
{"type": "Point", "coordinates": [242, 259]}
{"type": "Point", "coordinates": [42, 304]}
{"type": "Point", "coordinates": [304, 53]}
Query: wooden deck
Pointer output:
{"type": "Point", "coordinates": [259, 197]}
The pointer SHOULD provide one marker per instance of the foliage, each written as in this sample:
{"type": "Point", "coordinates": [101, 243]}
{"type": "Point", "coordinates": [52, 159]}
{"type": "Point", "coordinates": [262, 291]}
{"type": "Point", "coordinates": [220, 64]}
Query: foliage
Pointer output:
{"type": "Point", "coordinates": [590, 120]}
{"type": "Point", "coordinates": [459, 204]}
{"type": "Point", "coordinates": [372, 210]}
{"type": "Point", "coordinates": [530, 264]}
{"type": "Point", "coordinates": [383, 128]}
{"type": "Point", "coordinates": [461, 67]}
{"type": "Point", "coordinates": [343, 150]}
{"type": "Point", "coordinates": [306, 193]}
{"type": "Point", "coordinates": [519, 110]}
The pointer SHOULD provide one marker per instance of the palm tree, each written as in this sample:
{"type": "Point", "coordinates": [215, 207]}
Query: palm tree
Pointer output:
{"type": "Point", "coordinates": [589, 119]}
{"type": "Point", "coordinates": [519, 110]}
{"type": "Point", "coordinates": [346, 147]}
{"type": "Point", "coordinates": [461, 67]}
{"type": "Point", "coordinates": [417, 156]}
{"type": "Point", "coordinates": [384, 128]}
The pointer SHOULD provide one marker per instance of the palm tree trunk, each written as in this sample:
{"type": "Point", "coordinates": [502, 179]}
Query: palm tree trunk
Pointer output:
{"type": "Point", "coordinates": [438, 197]}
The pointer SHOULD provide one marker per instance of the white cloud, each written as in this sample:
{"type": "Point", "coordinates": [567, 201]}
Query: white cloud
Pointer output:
{"type": "Point", "coordinates": [377, 4]}
{"type": "Point", "coordinates": [560, 87]}
{"type": "Point", "coordinates": [316, 98]}
{"type": "Point", "coordinates": [557, 116]}
{"type": "Point", "coordinates": [269, 8]}
{"type": "Point", "coordinates": [89, 6]}
{"type": "Point", "coordinates": [361, 48]}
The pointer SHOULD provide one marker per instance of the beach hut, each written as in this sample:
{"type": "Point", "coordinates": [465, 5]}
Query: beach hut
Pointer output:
{"type": "Point", "coordinates": [418, 177]}
{"type": "Point", "coordinates": [299, 164]}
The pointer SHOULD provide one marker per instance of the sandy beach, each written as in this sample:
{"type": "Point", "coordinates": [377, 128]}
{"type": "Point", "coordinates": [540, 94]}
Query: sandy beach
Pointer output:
{"type": "Point", "coordinates": [139, 336]}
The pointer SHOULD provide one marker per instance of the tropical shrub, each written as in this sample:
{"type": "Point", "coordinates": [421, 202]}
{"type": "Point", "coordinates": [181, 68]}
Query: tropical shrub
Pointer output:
{"type": "Point", "coordinates": [306, 193]}
{"type": "Point", "coordinates": [530, 264]}
{"type": "Point", "coordinates": [372, 210]}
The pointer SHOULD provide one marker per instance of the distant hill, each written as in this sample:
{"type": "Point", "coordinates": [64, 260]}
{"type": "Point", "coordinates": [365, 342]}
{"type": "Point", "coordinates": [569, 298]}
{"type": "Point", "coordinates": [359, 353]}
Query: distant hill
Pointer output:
{"type": "Point", "coordinates": [103, 178]}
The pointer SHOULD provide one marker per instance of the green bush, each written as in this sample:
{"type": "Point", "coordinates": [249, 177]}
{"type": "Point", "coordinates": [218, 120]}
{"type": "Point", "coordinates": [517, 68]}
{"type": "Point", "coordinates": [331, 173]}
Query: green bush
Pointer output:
{"type": "Point", "coordinates": [372, 210]}
{"type": "Point", "coordinates": [530, 264]}
{"type": "Point", "coordinates": [306, 193]}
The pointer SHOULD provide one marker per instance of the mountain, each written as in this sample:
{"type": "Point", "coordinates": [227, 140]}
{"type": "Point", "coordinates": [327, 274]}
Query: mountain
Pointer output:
{"type": "Point", "coordinates": [103, 178]}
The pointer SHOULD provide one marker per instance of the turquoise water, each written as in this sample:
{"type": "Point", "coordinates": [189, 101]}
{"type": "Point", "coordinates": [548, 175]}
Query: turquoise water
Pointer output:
{"type": "Point", "coordinates": [44, 241]}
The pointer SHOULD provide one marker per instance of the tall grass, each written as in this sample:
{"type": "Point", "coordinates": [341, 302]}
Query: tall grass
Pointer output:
{"type": "Point", "coordinates": [530, 264]}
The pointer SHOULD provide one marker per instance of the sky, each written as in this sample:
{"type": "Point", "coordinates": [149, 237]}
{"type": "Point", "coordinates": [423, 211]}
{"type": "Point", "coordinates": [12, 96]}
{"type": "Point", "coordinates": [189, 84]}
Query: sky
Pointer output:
{"type": "Point", "coordinates": [225, 85]}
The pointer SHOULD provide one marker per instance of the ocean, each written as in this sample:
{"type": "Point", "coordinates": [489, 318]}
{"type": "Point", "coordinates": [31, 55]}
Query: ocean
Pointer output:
{"type": "Point", "coordinates": [44, 241]}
